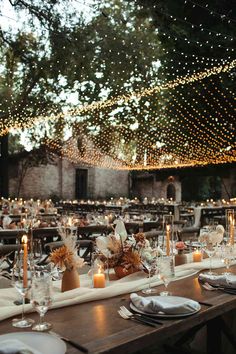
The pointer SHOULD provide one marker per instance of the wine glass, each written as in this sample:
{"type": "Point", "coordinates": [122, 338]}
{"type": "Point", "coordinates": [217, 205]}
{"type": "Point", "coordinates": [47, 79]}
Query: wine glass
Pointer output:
{"type": "Point", "coordinates": [209, 249]}
{"type": "Point", "coordinates": [21, 280]}
{"type": "Point", "coordinates": [166, 272]}
{"type": "Point", "coordinates": [227, 257]}
{"type": "Point", "coordinates": [41, 297]}
{"type": "Point", "coordinates": [150, 263]}
{"type": "Point", "coordinates": [37, 250]}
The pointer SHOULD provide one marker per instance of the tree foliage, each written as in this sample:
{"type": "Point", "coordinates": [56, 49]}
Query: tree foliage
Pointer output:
{"type": "Point", "coordinates": [61, 59]}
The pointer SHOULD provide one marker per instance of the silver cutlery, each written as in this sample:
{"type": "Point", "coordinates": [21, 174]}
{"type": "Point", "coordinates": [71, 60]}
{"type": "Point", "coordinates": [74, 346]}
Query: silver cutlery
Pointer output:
{"type": "Point", "coordinates": [71, 342]}
{"type": "Point", "coordinates": [208, 286]}
{"type": "Point", "coordinates": [136, 319]}
{"type": "Point", "coordinates": [138, 315]}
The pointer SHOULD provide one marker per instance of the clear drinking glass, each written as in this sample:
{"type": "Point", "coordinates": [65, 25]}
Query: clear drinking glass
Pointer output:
{"type": "Point", "coordinates": [166, 272]}
{"type": "Point", "coordinates": [151, 265]}
{"type": "Point", "coordinates": [227, 257]}
{"type": "Point", "coordinates": [37, 252]}
{"type": "Point", "coordinates": [41, 297]}
{"type": "Point", "coordinates": [22, 280]}
{"type": "Point", "coordinates": [209, 249]}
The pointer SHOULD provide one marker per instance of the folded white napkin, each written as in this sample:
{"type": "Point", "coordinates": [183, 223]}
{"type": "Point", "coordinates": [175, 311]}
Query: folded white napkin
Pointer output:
{"type": "Point", "coordinates": [15, 346]}
{"type": "Point", "coordinates": [228, 281]}
{"type": "Point", "coordinates": [165, 304]}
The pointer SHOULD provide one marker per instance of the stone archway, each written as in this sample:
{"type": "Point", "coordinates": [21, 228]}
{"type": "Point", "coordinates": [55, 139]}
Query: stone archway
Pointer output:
{"type": "Point", "coordinates": [171, 191]}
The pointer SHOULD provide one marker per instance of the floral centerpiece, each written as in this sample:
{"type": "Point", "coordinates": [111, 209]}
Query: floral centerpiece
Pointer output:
{"type": "Point", "coordinates": [212, 235]}
{"type": "Point", "coordinates": [67, 259]}
{"type": "Point", "coordinates": [125, 254]}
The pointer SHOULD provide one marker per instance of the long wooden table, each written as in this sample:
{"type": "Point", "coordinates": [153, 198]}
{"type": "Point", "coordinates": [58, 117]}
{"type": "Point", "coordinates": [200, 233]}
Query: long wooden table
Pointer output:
{"type": "Point", "coordinates": [98, 326]}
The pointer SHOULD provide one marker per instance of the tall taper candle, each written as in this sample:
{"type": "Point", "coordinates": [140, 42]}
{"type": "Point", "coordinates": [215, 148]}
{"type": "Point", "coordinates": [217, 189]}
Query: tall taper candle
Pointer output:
{"type": "Point", "coordinates": [25, 261]}
{"type": "Point", "coordinates": [167, 240]}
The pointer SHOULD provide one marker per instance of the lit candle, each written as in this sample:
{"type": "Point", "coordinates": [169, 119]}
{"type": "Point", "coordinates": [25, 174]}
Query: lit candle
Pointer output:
{"type": "Point", "coordinates": [197, 256]}
{"type": "Point", "coordinates": [99, 280]}
{"type": "Point", "coordinates": [167, 240]}
{"type": "Point", "coordinates": [25, 261]}
{"type": "Point", "coordinates": [231, 230]}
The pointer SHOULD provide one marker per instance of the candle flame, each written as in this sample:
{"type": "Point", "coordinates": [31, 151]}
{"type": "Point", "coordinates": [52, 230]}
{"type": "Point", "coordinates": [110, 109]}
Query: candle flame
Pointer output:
{"type": "Point", "coordinates": [24, 239]}
{"type": "Point", "coordinates": [167, 227]}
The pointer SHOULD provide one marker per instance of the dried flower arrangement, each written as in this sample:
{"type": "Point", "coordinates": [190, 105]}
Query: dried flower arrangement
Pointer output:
{"type": "Point", "coordinates": [212, 235]}
{"type": "Point", "coordinates": [125, 252]}
{"type": "Point", "coordinates": [66, 257]}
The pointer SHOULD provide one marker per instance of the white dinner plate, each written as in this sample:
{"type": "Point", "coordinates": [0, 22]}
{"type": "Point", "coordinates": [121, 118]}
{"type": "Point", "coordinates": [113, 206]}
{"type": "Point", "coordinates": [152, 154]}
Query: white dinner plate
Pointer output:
{"type": "Point", "coordinates": [42, 342]}
{"type": "Point", "coordinates": [172, 300]}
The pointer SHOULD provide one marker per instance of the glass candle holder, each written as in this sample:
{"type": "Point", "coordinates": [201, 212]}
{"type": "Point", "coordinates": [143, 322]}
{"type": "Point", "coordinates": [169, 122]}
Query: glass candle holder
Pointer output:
{"type": "Point", "coordinates": [197, 256]}
{"type": "Point", "coordinates": [230, 226]}
{"type": "Point", "coordinates": [98, 271]}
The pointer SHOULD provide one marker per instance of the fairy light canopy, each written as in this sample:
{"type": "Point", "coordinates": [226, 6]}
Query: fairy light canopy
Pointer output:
{"type": "Point", "coordinates": [123, 100]}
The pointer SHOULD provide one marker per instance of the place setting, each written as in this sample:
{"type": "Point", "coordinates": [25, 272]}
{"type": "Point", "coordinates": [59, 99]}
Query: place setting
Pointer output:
{"type": "Point", "coordinates": [164, 306]}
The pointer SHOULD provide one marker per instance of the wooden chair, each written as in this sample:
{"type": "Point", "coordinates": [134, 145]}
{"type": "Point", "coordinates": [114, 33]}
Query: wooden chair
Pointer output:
{"type": "Point", "coordinates": [189, 233]}
{"type": "Point", "coordinates": [45, 235]}
{"type": "Point", "coordinates": [91, 232]}
{"type": "Point", "coordinates": [132, 228]}
{"type": "Point", "coordinates": [10, 236]}
{"type": "Point", "coordinates": [152, 225]}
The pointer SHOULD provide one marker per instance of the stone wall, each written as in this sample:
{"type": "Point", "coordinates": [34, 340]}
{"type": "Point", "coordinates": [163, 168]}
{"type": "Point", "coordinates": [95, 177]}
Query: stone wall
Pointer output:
{"type": "Point", "coordinates": [58, 179]}
{"type": "Point", "coordinates": [110, 183]}
{"type": "Point", "coordinates": [39, 182]}
{"type": "Point", "coordinates": [146, 185]}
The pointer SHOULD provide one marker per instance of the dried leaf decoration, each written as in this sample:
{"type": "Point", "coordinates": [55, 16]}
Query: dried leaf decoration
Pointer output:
{"type": "Point", "coordinates": [66, 257]}
{"type": "Point", "coordinates": [127, 253]}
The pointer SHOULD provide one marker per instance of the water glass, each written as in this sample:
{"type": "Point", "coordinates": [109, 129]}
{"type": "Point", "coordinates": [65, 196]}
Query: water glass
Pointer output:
{"type": "Point", "coordinates": [37, 250]}
{"type": "Point", "coordinates": [166, 272]}
{"type": "Point", "coordinates": [227, 257]}
{"type": "Point", "coordinates": [151, 265]}
{"type": "Point", "coordinates": [210, 250]}
{"type": "Point", "coordinates": [22, 281]}
{"type": "Point", "coordinates": [41, 298]}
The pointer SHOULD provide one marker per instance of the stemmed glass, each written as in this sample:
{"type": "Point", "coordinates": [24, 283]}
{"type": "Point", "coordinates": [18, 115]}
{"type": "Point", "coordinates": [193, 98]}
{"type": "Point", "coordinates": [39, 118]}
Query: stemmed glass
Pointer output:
{"type": "Point", "coordinates": [166, 272]}
{"type": "Point", "coordinates": [150, 264]}
{"type": "Point", "coordinates": [37, 250]}
{"type": "Point", "coordinates": [227, 257]}
{"type": "Point", "coordinates": [209, 249]}
{"type": "Point", "coordinates": [41, 296]}
{"type": "Point", "coordinates": [22, 280]}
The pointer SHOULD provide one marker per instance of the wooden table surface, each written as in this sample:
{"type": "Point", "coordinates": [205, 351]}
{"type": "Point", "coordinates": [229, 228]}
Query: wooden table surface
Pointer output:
{"type": "Point", "coordinates": [98, 326]}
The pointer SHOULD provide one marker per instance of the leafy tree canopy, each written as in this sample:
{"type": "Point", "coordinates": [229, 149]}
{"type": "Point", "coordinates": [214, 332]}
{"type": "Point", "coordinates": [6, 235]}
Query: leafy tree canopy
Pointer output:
{"type": "Point", "coordinates": [61, 61]}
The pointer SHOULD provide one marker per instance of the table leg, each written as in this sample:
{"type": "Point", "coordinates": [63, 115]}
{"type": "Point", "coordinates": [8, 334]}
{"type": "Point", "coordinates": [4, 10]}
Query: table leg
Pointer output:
{"type": "Point", "coordinates": [214, 336]}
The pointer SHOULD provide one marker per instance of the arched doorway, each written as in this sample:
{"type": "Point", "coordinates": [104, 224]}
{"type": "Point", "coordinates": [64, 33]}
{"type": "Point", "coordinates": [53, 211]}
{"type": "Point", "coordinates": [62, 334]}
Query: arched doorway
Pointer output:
{"type": "Point", "coordinates": [171, 191]}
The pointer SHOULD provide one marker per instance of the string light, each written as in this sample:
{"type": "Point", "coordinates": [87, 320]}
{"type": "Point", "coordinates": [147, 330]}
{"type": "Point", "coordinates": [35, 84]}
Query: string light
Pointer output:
{"type": "Point", "coordinates": [169, 128]}
{"type": "Point", "coordinates": [211, 12]}
{"type": "Point", "coordinates": [29, 121]}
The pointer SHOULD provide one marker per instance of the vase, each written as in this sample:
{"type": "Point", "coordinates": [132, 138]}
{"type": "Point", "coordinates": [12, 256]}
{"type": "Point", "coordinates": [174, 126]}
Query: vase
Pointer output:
{"type": "Point", "coordinates": [180, 258]}
{"type": "Point", "coordinates": [122, 272]}
{"type": "Point", "coordinates": [70, 280]}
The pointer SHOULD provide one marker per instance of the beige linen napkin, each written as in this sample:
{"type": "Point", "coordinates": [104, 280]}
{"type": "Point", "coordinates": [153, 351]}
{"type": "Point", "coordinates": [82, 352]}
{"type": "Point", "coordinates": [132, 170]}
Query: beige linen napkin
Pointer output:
{"type": "Point", "coordinates": [165, 304]}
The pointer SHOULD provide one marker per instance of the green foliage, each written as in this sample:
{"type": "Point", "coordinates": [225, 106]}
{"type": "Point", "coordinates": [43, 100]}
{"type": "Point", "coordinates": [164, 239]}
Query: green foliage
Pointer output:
{"type": "Point", "coordinates": [60, 59]}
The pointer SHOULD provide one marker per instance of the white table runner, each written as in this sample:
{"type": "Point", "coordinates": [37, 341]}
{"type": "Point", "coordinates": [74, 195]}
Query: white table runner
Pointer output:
{"type": "Point", "coordinates": [86, 293]}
